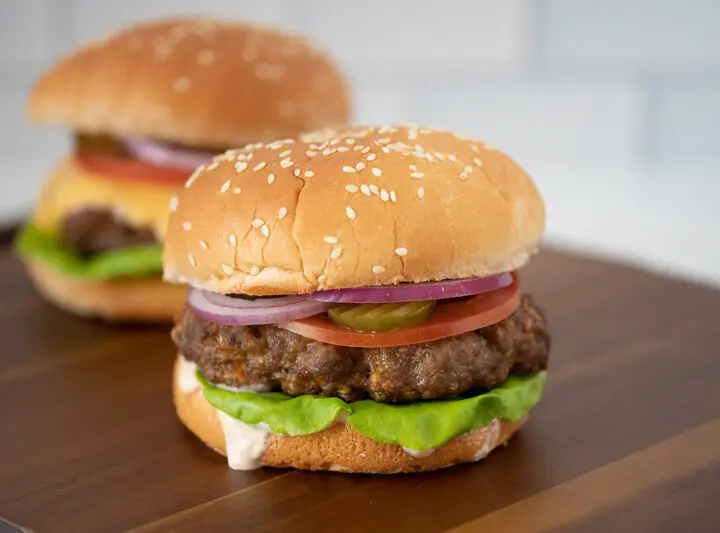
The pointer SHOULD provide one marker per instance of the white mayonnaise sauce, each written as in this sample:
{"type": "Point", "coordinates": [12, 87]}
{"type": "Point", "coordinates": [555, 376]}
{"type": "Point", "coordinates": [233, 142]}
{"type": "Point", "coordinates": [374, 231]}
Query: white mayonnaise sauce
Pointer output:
{"type": "Point", "coordinates": [187, 380]}
{"type": "Point", "coordinates": [249, 388]}
{"type": "Point", "coordinates": [491, 437]}
{"type": "Point", "coordinates": [419, 454]}
{"type": "Point", "coordinates": [245, 444]}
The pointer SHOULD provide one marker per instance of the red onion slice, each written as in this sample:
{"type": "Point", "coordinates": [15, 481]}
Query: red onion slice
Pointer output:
{"type": "Point", "coordinates": [412, 292]}
{"type": "Point", "coordinates": [162, 155]}
{"type": "Point", "coordinates": [292, 309]}
{"type": "Point", "coordinates": [241, 303]}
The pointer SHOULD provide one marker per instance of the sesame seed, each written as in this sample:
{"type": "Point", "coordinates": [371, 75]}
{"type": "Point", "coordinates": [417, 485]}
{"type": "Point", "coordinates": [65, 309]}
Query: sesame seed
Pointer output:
{"type": "Point", "coordinates": [474, 148]}
{"type": "Point", "coordinates": [417, 175]}
{"type": "Point", "coordinates": [282, 212]}
{"type": "Point", "coordinates": [401, 251]}
{"type": "Point", "coordinates": [421, 193]}
{"type": "Point", "coordinates": [351, 188]}
{"type": "Point", "coordinates": [384, 140]}
{"type": "Point", "coordinates": [225, 186]}
{"type": "Point", "coordinates": [173, 204]}
{"type": "Point", "coordinates": [377, 269]}
{"type": "Point", "coordinates": [358, 147]}
{"type": "Point", "coordinates": [328, 151]}
{"type": "Point", "coordinates": [334, 141]}
{"type": "Point", "coordinates": [254, 270]}
{"type": "Point", "coordinates": [310, 153]}
{"type": "Point", "coordinates": [330, 239]}
{"type": "Point", "coordinates": [468, 169]}
{"type": "Point", "coordinates": [265, 230]}
{"type": "Point", "coordinates": [322, 278]}
{"type": "Point", "coordinates": [237, 190]}
{"type": "Point", "coordinates": [212, 166]}
{"type": "Point", "coordinates": [385, 149]}
{"type": "Point", "coordinates": [350, 212]}
{"type": "Point", "coordinates": [227, 269]}
{"type": "Point", "coordinates": [187, 226]}
{"type": "Point", "coordinates": [206, 57]}
{"type": "Point", "coordinates": [240, 166]}
{"type": "Point", "coordinates": [191, 258]}
{"type": "Point", "coordinates": [250, 54]}
{"type": "Point", "coordinates": [336, 253]}
{"type": "Point", "coordinates": [374, 189]}
{"type": "Point", "coordinates": [193, 177]}
{"type": "Point", "coordinates": [270, 72]}
{"type": "Point", "coordinates": [393, 196]}
{"type": "Point", "coordinates": [488, 147]}
{"type": "Point", "coordinates": [342, 149]}
{"type": "Point", "coordinates": [384, 196]}
{"type": "Point", "coordinates": [296, 172]}
{"type": "Point", "coordinates": [477, 161]}
{"type": "Point", "coordinates": [287, 109]}
{"type": "Point", "coordinates": [181, 84]}
{"type": "Point", "coordinates": [270, 178]}
{"type": "Point", "coordinates": [309, 174]}
{"type": "Point", "coordinates": [257, 222]}
{"type": "Point", "coordinates": [360, 166]}
{"type": "Point", "coordinates": [350, 140]}
{"type": "Point", "coordinates": [204, 245]}
{"type": "Point", "coordinates": [377, 172]}
{"type": "Point", "coordinates": [285, 153]}
{"type": "Point", "coordinates": [259, 166]}
{"type": "Point", "coordinates": [452, 157]}
{"type": "Point", "coordinates": [365, 189]}
{"type": "Point", "coordinates": [349, 169]}
{"type": "Point", "coordinates": [413, 168]}
{"type": "Point", "coordinates": [365, 151]}
{"type": "Point", "coordinates": [463, 175]}
{"type": "Point", "coordinates": [371, 157]}
{"type": "Point", "coordinates": [440, 156]}
{"type": "Point", "coordinates": [232, 239]}
{"type": "Point", "coordinates": [287, 162]}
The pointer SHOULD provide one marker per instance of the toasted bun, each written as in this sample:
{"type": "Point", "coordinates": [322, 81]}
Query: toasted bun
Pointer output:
{"type": "Point", "coordinates": [70, 187]}
{"type": "Point", "coordinates": [127, 300]}
{"type": "Point", "coordinates": [196, 81]}
{"type": "Point", "coordinates": [339, 447]}
{"type": "Point", "coordinates": [340, 209]}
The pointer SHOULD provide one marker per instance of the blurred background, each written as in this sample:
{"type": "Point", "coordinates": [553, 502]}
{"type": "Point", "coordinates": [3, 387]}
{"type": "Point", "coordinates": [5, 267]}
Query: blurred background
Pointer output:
{"type": "Point", "coordinates": [612, 106]}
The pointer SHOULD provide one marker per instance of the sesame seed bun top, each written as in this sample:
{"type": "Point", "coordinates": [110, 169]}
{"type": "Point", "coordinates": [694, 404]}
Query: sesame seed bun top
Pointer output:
{"type": "Point", "coordinates": [195, 81]}
{"type": "Point", "coordinates": [373, 206]}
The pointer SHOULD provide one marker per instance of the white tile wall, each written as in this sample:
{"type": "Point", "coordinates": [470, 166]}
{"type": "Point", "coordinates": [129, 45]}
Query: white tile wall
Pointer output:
{"type": "Point", "coordinates": [658, 32]}
{"type": "Point", "coordinates": [607, 103]}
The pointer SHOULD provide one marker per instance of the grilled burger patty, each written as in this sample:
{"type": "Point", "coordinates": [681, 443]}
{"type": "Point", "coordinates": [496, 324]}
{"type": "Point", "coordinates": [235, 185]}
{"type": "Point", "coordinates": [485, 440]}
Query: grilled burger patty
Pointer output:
{"type": "Point", "coordinates": [92, 230]}
{"type": "Point", "coordinates": [277, 359]}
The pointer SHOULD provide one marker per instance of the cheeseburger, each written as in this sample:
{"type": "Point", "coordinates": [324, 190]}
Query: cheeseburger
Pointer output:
{"type": "Point", "coordinates": [355, 301]}
{"type": "Point", "coordinates": [146, 106]}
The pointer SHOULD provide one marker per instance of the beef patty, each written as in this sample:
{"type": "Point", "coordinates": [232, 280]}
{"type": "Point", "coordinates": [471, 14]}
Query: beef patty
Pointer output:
{"type": "Point", "coordinates": [277, 359]}
{"type": "Point", "coordinates": [93, 230]}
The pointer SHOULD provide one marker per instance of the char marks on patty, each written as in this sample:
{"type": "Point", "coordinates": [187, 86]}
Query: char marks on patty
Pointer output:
{"type": "Point", "coordinates": [272, 357]}
{"type": "Point", "coordinates": [92, 230]}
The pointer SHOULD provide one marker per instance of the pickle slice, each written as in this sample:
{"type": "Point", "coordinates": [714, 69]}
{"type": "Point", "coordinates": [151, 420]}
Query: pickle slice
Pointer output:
{"type": "Point", "coordinates": [381, 317]}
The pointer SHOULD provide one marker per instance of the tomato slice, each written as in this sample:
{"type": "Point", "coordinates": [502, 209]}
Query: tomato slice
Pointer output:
{"type": "Point", "coordinates": [450, 318]}
{"type": "Point", "coordinates": [127, 169]}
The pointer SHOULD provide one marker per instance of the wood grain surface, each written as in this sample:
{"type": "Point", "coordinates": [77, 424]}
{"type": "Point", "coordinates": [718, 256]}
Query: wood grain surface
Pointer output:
{"type": "Point", "coordinates": [627, 438]}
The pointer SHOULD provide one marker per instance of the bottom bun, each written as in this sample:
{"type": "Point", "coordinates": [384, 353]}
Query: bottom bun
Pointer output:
{"type": "Point", "coordinates": [339, 447]}
{"type": "Point", "coordinates": [125, 300]}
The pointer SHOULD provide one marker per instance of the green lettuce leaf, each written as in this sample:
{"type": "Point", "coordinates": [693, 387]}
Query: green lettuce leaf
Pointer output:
{"type": "Point", "coordinates": [419, 426]}
{"type": "Point", "coordinates": [136, 261]}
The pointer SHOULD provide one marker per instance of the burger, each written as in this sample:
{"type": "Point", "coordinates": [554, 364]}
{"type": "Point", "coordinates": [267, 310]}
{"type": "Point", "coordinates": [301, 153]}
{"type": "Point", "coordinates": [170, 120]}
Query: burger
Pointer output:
{"type": "Point", "coordinates": [355, 301]}
{"type": "Point", "coordinates": [146, 106]}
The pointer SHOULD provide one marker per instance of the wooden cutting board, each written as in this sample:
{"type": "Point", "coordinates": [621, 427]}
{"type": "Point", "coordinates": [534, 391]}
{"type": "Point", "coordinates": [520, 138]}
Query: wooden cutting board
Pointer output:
{"type": "Point", "coordinates": [627, 438]}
